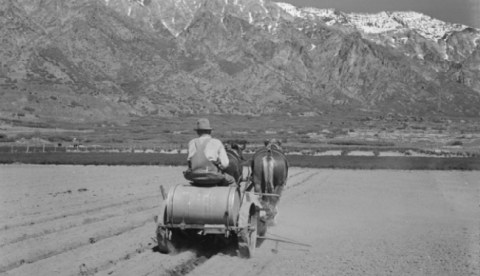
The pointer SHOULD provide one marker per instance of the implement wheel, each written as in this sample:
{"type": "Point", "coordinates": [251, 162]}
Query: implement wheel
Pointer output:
{"type": "Point", "coordinates": [247, 236]}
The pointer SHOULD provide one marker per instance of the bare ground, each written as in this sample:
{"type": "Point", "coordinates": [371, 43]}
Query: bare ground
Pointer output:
{"type": "Point", "coordinates": [98, 220]}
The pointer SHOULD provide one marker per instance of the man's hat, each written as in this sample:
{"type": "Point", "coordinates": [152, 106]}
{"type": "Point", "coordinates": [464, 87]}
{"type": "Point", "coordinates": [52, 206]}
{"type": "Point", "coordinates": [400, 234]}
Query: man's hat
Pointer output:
{"type": "Point", "coordinates": [203, 124]}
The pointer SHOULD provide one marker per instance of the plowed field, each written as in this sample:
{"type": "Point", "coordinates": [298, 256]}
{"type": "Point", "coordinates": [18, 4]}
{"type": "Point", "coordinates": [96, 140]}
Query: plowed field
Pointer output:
{"type": "Point", "coordinates": [98, 220]}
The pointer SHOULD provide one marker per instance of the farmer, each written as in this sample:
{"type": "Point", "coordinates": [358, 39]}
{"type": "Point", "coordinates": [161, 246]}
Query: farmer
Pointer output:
{"type": "Point", "coordinates": [207, 158]}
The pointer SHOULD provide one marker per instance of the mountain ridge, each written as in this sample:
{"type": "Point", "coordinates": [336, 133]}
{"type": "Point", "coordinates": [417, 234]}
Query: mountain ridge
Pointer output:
{"type": "Point", "coordinates": [102, 60]}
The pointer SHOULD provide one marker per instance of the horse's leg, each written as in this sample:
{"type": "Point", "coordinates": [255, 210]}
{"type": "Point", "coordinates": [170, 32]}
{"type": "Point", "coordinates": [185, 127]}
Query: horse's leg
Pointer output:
{"type": "Point", "coordinates": [270, 212]}
{"type": "Point", "coordinates": [255, 177]}
{"type": "Point", "coordinates": [257, 184]}
{"type": "Point", "coordinates": [274, 202]}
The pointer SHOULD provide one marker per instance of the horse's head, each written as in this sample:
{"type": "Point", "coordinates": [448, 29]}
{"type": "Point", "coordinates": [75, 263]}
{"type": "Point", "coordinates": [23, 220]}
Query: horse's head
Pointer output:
{"type": "Point", "coordinates": [236, 148]}
{"type": "Point", "coordinates": [273, 144]}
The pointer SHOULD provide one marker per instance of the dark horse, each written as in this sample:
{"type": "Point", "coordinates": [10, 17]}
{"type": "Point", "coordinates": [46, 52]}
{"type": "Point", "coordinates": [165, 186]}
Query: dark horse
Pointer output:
{"type": "Point", "coordinates": [269, 175]}
{"type": "Point", "coordinates": [236, 160]}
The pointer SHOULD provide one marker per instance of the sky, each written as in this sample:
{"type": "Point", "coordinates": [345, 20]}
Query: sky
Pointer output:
{"type": "Point", "coordinates": [465, 12]}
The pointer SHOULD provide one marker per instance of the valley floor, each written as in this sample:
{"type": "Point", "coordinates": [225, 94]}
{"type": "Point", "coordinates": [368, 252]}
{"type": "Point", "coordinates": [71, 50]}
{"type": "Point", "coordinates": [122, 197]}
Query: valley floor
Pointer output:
{"type": "Point", "coordinates": [98, 220]}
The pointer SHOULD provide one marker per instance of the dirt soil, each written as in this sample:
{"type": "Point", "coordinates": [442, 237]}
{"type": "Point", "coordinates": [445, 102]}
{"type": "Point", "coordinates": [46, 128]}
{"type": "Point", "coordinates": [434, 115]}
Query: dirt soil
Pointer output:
{"type": "Point", "coordinates": [98, 220]}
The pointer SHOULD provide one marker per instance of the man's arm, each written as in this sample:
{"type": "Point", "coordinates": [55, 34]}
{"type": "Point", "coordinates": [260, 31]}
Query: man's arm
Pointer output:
{"type": "Point", "coordinates": [191, 150]}
{"type": "Point", "coordinates": [222, 156]}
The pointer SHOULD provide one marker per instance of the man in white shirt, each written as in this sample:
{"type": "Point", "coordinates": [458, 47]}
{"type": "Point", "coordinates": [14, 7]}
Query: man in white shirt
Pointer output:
{"type": "Point", "coordinates": [207, 158]}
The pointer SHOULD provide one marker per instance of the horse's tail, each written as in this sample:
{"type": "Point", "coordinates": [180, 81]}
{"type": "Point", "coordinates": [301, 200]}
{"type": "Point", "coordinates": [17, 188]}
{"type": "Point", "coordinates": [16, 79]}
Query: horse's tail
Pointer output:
{"type": "Point", "coordinates": [268, 165]}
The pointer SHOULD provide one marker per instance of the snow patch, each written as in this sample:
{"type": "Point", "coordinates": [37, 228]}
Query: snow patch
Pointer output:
{"type": "Point", "coordinates": [381, 22]}
{"type": "Point", "coordinates": [290, 9]}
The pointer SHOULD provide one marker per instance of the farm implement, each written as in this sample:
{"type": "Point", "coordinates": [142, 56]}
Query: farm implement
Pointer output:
{"type": "Point", "coordinates": [196, 214]}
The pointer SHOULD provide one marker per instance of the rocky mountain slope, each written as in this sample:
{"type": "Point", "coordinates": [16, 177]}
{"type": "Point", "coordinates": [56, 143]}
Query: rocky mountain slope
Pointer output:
{"type": "Point", "coordinates": [96, 60]}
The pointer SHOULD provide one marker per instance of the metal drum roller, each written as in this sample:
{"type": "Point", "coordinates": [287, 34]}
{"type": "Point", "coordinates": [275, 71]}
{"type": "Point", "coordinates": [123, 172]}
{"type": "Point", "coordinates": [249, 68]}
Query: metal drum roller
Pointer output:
{"type": "Point", "coordinates": [190, 205]}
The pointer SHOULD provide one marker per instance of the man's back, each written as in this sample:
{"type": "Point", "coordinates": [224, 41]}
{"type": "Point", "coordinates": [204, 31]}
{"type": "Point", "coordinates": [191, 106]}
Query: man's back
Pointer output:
{"type": "Point", "coordinates": [205, 150]}
{"type": "Point", "coordinates": [207, 158]}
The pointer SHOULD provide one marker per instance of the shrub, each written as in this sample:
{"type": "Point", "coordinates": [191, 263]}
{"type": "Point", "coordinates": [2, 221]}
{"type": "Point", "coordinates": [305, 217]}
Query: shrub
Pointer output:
{"type": "Point", "coordinates": [74, 104]}
{"type": "Point", "coordinates": [456, 143]}
{"type": "Point", "coordinates": [361, 143]}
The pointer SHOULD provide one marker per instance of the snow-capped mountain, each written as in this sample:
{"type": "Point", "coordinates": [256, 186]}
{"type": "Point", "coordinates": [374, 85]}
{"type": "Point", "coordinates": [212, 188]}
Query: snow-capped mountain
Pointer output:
{"type": "Point", "coordinates": [95, 60]}
{"type": "Point", "coordinates": [386, 24]}
{"type": "Point", "coordinates": [378, 23]}
{"type": "Point", "coordinates": [392, 29]}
